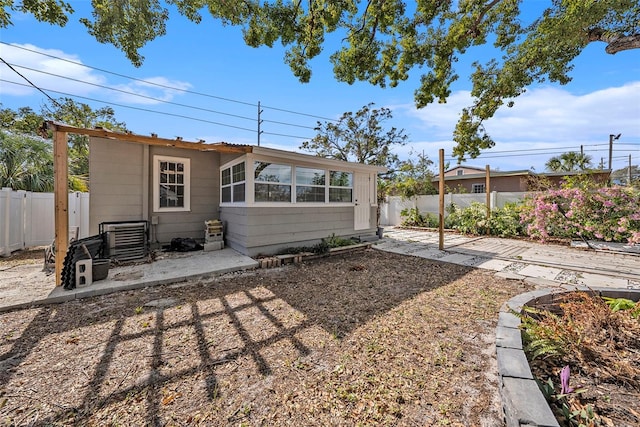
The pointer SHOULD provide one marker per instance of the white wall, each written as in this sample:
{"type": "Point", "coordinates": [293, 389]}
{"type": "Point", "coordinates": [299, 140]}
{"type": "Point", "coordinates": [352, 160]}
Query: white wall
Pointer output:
{"type": "Point", "coordinates": [27, 219]}
{"type": "Point", "coordinates": [390, 210]}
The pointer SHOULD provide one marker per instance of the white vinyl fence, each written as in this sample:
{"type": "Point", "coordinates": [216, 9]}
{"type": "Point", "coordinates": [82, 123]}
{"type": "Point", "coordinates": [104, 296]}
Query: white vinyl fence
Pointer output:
{"type": "Point", "coordinates": [390, 210]}
{"type": "Point", "coordinates": [27, 219]}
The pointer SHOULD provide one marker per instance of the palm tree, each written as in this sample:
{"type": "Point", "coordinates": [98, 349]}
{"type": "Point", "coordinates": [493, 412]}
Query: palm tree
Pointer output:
{"type": "Point", "coordinates": [571, 161]}
{"type": "Point", "coordinates": [26, 163]}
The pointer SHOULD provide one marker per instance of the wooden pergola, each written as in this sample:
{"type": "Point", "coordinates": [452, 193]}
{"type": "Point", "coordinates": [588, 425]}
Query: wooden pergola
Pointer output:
{"type": "Point", "coordinates": [61, 171]}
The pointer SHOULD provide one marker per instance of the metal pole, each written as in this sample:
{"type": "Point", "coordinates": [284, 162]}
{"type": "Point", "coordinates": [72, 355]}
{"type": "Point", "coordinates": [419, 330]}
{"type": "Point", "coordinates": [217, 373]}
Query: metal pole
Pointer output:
{"type": "Point", "coordinates": [259, 123]}
{"type": "Point", "coordinates": [610, 149]}
{"type": "Point", "coordinates": [441, 202]}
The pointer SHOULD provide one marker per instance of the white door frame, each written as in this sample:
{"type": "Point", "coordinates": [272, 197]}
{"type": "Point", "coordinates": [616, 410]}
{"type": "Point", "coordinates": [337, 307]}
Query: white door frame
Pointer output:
{"type": "Point", "coordinates": [362, 201]}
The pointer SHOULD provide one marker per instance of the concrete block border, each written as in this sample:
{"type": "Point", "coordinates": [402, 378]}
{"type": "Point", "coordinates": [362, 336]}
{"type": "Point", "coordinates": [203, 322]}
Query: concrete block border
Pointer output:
{"type": "Point", "coordinates": [522, 401]}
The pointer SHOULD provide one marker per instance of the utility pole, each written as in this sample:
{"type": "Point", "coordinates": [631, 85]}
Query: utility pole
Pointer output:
{"type": "Point", "coordinates": [612, 138]}
{"type": "Point", "coordinates": [259, 123]}
{"type": "Point", "coordinates": [629, 171]}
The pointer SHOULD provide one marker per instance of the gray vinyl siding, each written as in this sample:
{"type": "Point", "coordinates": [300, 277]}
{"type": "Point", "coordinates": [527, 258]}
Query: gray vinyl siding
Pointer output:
{"type": "Point", "coordinates": [117, 188]}
{"type": "Point", "coordinates": [205, 196]}
{"type": "Point", "coordinates": [266, 230]}
{"type": "Point", "coordinates": [115, 181]}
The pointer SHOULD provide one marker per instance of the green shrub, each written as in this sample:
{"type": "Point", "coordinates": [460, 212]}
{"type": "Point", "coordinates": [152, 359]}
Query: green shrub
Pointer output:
{"type": "Point", "coordinates": [471, 220]}
{"type": "Point", "coordinates": [413, 218]}
{"type": "Point", "coordinates": [505, 221]}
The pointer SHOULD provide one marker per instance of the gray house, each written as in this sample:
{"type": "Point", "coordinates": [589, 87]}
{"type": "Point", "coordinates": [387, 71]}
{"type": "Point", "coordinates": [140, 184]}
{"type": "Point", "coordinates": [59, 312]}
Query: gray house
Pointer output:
{"type": "Point", "coordinates": [267, 199]}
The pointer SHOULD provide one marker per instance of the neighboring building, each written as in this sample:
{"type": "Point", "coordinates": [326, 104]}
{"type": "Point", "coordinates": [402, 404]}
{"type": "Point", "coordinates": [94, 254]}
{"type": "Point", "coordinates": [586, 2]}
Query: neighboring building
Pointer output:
{"type": "Point", "coordinates": [463, 170]}
{"type": "Point", "coordinates": [473, 180]}
{"type": "Point", "coordinates": [267, 199]}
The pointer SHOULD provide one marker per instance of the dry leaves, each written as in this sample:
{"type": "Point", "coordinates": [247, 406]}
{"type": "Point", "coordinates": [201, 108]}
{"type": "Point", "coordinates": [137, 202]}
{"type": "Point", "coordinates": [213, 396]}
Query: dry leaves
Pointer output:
{"type": "Point", "coordinates": [362, 338]}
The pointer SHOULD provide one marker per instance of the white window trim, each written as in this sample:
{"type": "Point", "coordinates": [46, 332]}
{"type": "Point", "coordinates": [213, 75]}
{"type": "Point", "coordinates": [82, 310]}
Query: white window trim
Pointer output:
{"type": "Point", "coordinates": [474, 186]}
{"type": "Point", "coordinates": [246, 183]}
{"type": "Point", "coordinates": [250, 159]}
{"type": "Point", "coordinates": [156, 183]}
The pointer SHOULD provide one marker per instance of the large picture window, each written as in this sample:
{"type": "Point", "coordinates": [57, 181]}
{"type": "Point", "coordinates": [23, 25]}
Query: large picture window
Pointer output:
{"type": "Point", "coordinates": [171, 179]}
{"type": "Point", "coordinates": [272, 182]}
{"type": "Point", "coordinates": [233, 183]}
{"type": "Point", "coordinates": [261, 181]}
{"type": "Point", "coordinates": [340, 187]}
{"type": "Point", "coordinates": [310, 185]}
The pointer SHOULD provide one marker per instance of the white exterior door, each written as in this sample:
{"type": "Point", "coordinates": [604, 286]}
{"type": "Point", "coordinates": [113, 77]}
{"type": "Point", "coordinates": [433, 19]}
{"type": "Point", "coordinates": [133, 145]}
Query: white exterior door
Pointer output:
{"type": "Point", "coordinates": [361, 198]}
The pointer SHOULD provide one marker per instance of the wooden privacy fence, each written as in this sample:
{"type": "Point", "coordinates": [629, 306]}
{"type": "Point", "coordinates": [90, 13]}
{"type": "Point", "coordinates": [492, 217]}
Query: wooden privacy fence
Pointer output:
{"type": "Point", "coordinates": [390, 210]}
{"type": "Point", "coordinates": [27, 218]}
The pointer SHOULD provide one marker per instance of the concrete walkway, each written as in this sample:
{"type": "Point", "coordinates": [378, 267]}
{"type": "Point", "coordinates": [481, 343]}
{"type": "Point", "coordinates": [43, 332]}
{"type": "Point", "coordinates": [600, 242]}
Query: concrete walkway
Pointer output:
{"type": "Point", "coordinates": [25, 285]}
{"type": "Point", "coordinates": [546, 264]}
{"type": "Point", "coordinates": [542, 263]}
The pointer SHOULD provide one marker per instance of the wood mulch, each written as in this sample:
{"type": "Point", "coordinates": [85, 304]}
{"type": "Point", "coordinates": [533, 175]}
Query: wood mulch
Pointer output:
{"type": "Point", "coordinates": [368, 338]}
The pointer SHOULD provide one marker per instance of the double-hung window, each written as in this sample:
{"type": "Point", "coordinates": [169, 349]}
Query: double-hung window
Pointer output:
{"type": "Point", "coordinates": [171, 183]}
{"type": "Point", "coordinates": [233, 183]}
{"type": "Point", "coordinates": [310, 185]}
{"type": "Point", "coordinates": [340, 187]}
{"type": "Point", "coordinates": [272, 182]}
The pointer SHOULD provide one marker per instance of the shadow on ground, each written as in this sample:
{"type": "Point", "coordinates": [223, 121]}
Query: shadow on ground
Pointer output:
{"type": "Point", "coordinates": [190, 350]}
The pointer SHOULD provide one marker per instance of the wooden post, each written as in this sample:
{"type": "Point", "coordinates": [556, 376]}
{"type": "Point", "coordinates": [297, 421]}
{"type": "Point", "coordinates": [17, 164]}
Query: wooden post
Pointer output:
{"type": "Point", "coordinates": [487, 187]}
{"type": "Point", "coordinates": [61, 200]}
{"type": "Point", "coordinates": [441, 200]}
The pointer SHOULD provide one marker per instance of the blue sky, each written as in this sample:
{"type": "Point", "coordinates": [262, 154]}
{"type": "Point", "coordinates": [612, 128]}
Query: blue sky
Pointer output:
{"type": "Point", "coordinates": [602, 99]}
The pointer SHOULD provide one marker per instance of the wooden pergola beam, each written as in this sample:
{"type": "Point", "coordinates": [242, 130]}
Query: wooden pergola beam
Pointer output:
{"type": "Point", "coordinates": [61, 171]}
{"type": "Point", "coordinates": [220, 147]}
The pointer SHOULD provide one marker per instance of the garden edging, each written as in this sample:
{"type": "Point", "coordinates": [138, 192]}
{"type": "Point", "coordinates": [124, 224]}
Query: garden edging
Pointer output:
{"type": "Point", "coordinates": [522, 401]}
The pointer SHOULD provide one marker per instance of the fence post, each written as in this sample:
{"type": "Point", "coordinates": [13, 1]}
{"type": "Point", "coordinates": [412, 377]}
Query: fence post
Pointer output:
{"type": "Point", "coordinates": [5, 231]}
{"type": "Point", "coordinates": [23, 218]}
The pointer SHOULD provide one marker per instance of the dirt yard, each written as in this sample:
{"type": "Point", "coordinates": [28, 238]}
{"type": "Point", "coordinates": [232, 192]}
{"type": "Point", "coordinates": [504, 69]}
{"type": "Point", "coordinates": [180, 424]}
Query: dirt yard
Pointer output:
{"type": "Point", "coordinates": [367, 338]}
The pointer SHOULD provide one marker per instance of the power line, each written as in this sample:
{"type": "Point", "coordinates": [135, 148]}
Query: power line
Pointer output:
{"type": "Point", "coordinates": [544, 149]}
{"type": "Point", "coordinates": [139, 95]}
{"type": "Point", "coordinates": [138, 108]}
{"type": "Point", "coordinates": [288, 136]}
{"type": "Point", "coordinates": [162, 85]}
{"type": "Point", "coordinates": [29, 81]}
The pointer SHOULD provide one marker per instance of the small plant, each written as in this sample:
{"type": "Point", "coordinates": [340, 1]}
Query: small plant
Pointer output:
{"type": "Point", "coordinates": [139, 310]}
{"type": "Point", "coordinates": [565, 406]}
{"type": "Point", "coordinates": [542, 333]}
{"type": "Point", "coordinates": [413, 218]}
{"type": "Point", "coordinates": [617, 304]}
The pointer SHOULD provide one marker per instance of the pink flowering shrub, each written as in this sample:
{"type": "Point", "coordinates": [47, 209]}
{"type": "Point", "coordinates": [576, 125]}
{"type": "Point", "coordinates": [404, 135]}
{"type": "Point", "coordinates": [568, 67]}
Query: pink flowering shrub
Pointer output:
{"type": "Point", "coordinates": [611, 214]}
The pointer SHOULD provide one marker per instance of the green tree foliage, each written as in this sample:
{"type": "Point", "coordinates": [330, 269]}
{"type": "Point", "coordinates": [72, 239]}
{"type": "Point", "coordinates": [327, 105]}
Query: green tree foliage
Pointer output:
{"type": "Point", "coordinates": [26, 162]}
{"type": "Point", "coordinates": [413, 177]}
{"type": "Point", "coordinates": [54, 12]}
{"type": "Point", "coordinates": [384, 40]}
{"type": "Point", "coordinates": [24, 120]}
{"type": "Point", "coordinates": [359, 137]}
{"type": "Point", "coordinates": [73, 113]}
{"type": "Point", "coordinates": [571, 161]}
{"type": "Point", "coordinates": [25, 123]}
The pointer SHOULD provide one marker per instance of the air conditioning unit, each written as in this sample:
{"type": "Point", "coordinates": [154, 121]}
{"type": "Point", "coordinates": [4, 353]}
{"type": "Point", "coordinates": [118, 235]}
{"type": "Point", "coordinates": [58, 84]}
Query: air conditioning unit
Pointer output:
{"type": "Point", "coordinates": [125, 241]}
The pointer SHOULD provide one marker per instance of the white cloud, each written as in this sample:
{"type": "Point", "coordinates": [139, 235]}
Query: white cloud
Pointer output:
{"type": "Point", "coordinates": [545, 117]}
{"type": "Point", "coordinates": [152, 90]}
{"type": "Point", "coordinates": [43, 71]}
{"type": "Point", "coordinates": [53, 69]}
